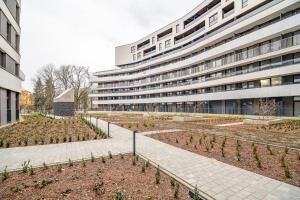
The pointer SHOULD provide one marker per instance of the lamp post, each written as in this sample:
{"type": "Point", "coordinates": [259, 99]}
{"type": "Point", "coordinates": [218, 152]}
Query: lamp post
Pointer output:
{"type": "Point", "coordinates": [134, 133]}
{"type": "Point", "coordinates": [108, 125]}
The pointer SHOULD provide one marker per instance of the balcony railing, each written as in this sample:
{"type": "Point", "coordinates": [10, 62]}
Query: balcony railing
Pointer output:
{"type": "Point", "coordinates": [247, 16]}
{"type": "Point", "coordinates": [250, 53]}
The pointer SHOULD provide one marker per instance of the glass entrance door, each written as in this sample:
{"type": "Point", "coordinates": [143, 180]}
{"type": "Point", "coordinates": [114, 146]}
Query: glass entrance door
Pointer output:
{"type": "Point", "coordinates": [297, 109]}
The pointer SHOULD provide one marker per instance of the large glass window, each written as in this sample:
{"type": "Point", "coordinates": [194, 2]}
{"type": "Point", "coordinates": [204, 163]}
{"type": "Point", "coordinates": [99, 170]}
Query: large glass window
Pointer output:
{"type": "Point", "coordinates": [168, 43]}
{"type": "Point", "coordinates": [276, 81]}
{"type": "Point", "coordinates": [265, 83]}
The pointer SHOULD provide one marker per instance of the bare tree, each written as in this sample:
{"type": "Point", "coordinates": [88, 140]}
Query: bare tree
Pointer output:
{"type": "Point", "coordinates": [64, 76]}
{"type": "Point", "coordinates": [267, 107]}
{"type": "Point", "coordinates": [80, 83]}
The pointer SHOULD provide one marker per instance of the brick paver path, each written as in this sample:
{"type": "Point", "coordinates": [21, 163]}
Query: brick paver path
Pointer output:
{"type": "Point", "coordinates": [215, 180]}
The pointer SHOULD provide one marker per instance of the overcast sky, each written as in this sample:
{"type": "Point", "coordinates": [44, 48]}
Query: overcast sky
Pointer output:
{"type": "Point", "coordinates": [85, 32]}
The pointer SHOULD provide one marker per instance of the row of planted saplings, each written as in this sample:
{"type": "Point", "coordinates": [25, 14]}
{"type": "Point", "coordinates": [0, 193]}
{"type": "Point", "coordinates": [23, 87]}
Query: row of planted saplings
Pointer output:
{"type": "Point", "coordinates": [210, 143]}
{"type": "Point", "coordinates": [99, 184]}
{"type": "Point", "coordinates": [51, 140]}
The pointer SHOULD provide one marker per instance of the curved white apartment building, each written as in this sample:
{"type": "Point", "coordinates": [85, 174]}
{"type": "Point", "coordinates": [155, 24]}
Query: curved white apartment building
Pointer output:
{"type": "Point", "coordinates": [222, 57]}
{"type": "Point", "coordinates": [10, 74]}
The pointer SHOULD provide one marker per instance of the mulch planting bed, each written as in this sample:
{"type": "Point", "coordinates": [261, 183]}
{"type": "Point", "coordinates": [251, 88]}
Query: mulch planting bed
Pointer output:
{"type": "Point", "coordinates": [118, 178]}
{"type": "Point", "coordinates": [39, 130]}
{"type": "Point", "coordinates": [283, 164]}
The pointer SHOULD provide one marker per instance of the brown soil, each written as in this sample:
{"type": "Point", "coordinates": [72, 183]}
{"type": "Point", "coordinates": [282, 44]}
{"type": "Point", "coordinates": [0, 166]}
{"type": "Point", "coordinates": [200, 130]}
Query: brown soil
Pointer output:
{"type": "Point", "coordinates": [287, 133]}
{"type": "Point", "coordinates": [38, 130]}
{"type": "Point", "coordinates": [94, 181]}
{"type": "Point", "coordinates": [270, 164]}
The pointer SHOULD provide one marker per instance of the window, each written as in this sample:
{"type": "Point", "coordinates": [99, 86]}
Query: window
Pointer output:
{"type": "Point", "coordinates": [153, 39]}
{"type": "Point", "coordinates": [244, 3]}
{"type": "Point", "coordinates": [2, 60]}
{"type": "Point", "coordinates": [276, 81]}
{"type": "Point", "coordinates": [297, 79]}
{"type": "Point", "coordinates": [139, 55]}
{"type": "Point", "coordinates": [160, 46]}
{"type": "Point", "coordinates": [251, 84]}
{"type": "Point", "coordinates": [133, 49]}
{"type": "Point", "coordinates": [167, 43]}
{"type": "Point", "coordinates": [265, 83]}
{"type": "Point", "coordinates": [177, 28]}
{"type": "Point", "coordinates": [134, 57]}
{"type": "Point", "coordinates": [213, 19]}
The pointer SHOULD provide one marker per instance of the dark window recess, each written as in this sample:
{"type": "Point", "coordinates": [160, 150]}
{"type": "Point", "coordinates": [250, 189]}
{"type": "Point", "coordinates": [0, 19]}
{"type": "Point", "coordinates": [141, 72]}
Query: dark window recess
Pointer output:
{"type": "Point", "coordinates": [193, 30]}
{"type": "Point", "coordinates": [149, 50]}
{"type": "Point", "coordinates": [163, 34]}
{"type": "Point", "coordinates": [228, 10]}
{"type": "Point", "coordinates": [145, 43]}
{"type": "Point", "coordinates": [201, 12]}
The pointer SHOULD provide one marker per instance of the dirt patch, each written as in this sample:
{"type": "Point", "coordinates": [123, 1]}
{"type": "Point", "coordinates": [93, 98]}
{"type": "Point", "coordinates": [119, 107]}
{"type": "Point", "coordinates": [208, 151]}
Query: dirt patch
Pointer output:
{"type": "Point", "coordinates": [240, 154]}
{"type": "Point", "coordinates": [95, 180]}
{"type": "Point", "coordinates": [39, 130]}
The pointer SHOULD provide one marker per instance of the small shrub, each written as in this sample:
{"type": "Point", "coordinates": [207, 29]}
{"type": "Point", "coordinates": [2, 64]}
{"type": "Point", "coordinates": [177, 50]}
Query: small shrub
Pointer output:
{"type": "Point", "coordinates": [143, 168]}
{"type": "Point", "coordinates": [103, 160]}
{"type": "Point", "coordinates": [36, 141]}
{"type": "Point", "coordinates": [83, 138]}
{"type": "Point", "coordinates": [214, 138]}
{"type": "Point", "coordinates": [20, 143]}
{"type": "Point", "coordinates": [196, 194]}
{"type": "Point", "coordinates": [70, 163]}
{"type": "Point", "coordinates": [286, 150]}
{"type": "Point", "coordinates": [31, 170]}
{"type": "Point", "coordinates": [191, 139]}
{"type": "Point", "coordinates": [42, 141]}
{"type": "Point", "coordinates": [119, 196]}
{"type": "Point", "coordinates": [26, 142]}
{"type": "Point", "coordinates": [176, 192]}
{"type": "Point", "coordinates": [157, 176]}
{"type": "Point", "coordinates": [78, 138]}
{"type": "Point", "coordinates": [298, 156]}
{"type": "Point", "coordinates": [254, 150]}
{"type": "Point", "coordinates": [200, 141]}
{"type": "Point", "coordinates": [95, 137]}
{"type": "Point", "coordinates": [176, 140]}
{"type": "Point", "coordinates": [25, 166]}
{"type": "Point", "coordinates": [147, 163]}
{"type": "Point", "coordinates": [57, 140]}
{"type": "Point", "coordinates": [7, 144]}
{"type": "Point", "coordinates": [224, 141]}
{"type": "Point", "coordinates": [282, 160]}
{"type": "Point", "coordinates": [97, 187]}
{"type": "Point", "coordinates": [83, 163]}
{"type": "Point", "coordinates": [173, 181]}
{"type": "Point", "coordinates": [269, 149]}
{"type": "Point", "coordinates": [1, 143]}
{"type": "Point", "coordinates": [5, 174]}
{"type": "Point", "coordinates": [59, 168]}
{"type": "Point", "coordinates": [133, 161]}
{"type": "Point", "coordinates": [258, 160]}
{"type": "Point", "coordinates": [287, 172]}
{"type": "Point", "coordinates": [65, 139]}
{"type": "Point", "coordinates": [45, 167]}
{"type": "Point", "coordinates": [122, 156]}
{"type": "Point", "coordinates": [92, 158]}
{"type": "Point", "coordinates": [110, 155]}
{"type": "Point", "coordinates": [70, 138]}
{"type": "Point", "coordinates": [51, 140]}
{"type": "Point", "coordinates": [222, 152]}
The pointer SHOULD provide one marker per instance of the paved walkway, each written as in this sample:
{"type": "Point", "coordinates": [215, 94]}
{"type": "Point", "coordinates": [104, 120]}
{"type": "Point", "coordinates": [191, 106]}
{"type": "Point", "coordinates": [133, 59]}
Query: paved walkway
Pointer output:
{"type": "Point", "coordinates": [215, 180]}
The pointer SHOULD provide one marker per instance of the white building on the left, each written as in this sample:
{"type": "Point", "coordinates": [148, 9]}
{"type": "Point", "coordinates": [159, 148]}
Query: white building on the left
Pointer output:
{"type": "Point", "coordinates": [11, 76]}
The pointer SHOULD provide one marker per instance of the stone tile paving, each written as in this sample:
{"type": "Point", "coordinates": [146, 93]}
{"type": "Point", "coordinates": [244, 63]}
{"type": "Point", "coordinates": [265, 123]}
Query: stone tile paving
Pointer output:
{"type": "Point", "coordinates": [214, 179]}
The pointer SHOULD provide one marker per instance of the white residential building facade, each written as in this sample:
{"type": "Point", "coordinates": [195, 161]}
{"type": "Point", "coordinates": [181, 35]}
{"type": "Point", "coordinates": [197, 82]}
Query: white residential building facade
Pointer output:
{"type": "Point", "coordinates": [11, 76]}
{"type": "Point", "coordinates": [222, 57]}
